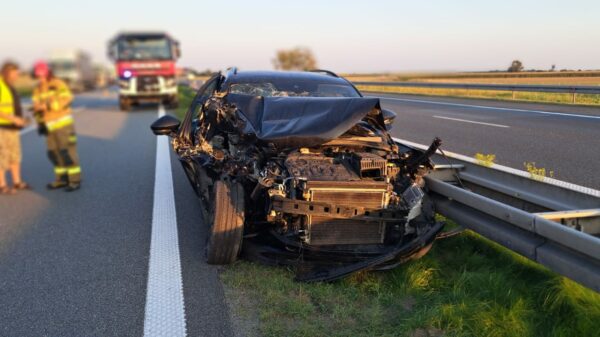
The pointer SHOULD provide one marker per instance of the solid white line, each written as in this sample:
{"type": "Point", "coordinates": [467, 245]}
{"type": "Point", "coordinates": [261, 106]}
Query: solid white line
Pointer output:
{"type": "Point", "coordinates": [28, 130]}
{"type": "Point", "coordinates": [574, 187]}
{"type": "Point", "coordinates": [33, 127]}
{"type": "Point", "coordinates": [473, 122]}
{"type": "Point", "coordinates": [491, 107]}
{"type": "Point", "coordinates": [78, 109]}
{"type": "Point", "coordinates": [165, 311]}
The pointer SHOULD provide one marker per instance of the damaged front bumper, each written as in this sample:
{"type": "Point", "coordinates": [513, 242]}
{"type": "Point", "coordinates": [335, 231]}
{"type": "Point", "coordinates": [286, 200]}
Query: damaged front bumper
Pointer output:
{"type": "Point", "coordinates": [317, 263]}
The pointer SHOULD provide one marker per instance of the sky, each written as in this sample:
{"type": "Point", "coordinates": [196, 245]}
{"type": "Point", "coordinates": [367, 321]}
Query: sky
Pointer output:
{"type": "Point", "coordinates": [345, 36]}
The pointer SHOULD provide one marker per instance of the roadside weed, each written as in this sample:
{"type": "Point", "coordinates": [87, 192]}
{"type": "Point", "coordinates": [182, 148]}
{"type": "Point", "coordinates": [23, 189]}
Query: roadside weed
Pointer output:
{"type": "Point", "coordinates": [485, 159]}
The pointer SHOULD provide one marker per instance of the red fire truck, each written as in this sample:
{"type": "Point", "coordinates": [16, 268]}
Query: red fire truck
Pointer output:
{"type": "Point", "coordinates": [145, 65]}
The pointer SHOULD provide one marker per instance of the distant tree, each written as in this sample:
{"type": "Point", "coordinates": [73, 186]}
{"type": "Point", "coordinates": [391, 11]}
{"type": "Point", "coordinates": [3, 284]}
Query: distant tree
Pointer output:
{"type": "Point", "coordinates": [206, 72]}
{"type": "Point", "coordinates": [516, 66]}
{"type": "Point", "coordinates": [553, 67]}
{"type": "Point", "coordinates": [299, 58]}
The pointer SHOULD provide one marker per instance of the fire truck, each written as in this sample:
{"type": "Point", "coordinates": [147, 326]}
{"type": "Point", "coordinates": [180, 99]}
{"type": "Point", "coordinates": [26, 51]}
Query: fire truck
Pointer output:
{"type": "Point", "coordinates": [145, 67]}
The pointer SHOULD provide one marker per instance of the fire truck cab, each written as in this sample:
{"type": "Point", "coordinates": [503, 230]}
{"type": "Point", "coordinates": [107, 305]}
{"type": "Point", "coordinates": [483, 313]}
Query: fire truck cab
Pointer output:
{"type": "Point", "coordinates": [145, 67]}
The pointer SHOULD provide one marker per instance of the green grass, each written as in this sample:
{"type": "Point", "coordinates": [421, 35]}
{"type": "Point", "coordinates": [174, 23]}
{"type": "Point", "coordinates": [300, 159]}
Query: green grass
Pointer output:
{"type": "Point", "coordinates": [543, 97]}
{"type": "Point", "coordinates": [186, 95]}
{"type": "Point", "coordinates": [24, 91]}
{"type": "Point", "coordinates": [465, 286]}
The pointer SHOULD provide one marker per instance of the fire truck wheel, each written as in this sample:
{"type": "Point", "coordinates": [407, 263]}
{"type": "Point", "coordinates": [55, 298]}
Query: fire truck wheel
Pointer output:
{"type": "Point", "coordinates": [173, 103]}
{"type": "Point", "coordinates": [124, 104]}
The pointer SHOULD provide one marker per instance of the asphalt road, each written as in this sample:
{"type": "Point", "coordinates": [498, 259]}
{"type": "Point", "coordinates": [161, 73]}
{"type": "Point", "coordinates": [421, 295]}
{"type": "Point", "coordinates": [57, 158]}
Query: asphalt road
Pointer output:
{"type": "Point", "coordinates": [560, 138]}
{"type": "Point", "coordinates": [76, 264]}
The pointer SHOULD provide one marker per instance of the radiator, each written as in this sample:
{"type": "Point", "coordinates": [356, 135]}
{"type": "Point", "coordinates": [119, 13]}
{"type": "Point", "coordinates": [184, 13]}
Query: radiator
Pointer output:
{"type": "Point", "coordinates": [328, 231]}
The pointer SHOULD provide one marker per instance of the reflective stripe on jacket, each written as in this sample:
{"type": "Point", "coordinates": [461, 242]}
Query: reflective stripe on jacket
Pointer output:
{"type": "Point", "coordinates": [6, 103]}
{"type": "Point", "coordinates": [59, 123]}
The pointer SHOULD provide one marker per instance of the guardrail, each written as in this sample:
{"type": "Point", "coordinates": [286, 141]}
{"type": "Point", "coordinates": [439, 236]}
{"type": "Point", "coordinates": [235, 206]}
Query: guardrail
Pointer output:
{"type": "Point", "coordinates": [552, 222]}
{"type": "Point", "coordinates": [573, 90]}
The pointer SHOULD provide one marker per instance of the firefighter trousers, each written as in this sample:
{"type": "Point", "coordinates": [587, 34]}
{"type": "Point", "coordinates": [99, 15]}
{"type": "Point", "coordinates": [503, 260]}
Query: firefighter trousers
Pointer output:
{"type": "Point", "coordinates": [62, 151]}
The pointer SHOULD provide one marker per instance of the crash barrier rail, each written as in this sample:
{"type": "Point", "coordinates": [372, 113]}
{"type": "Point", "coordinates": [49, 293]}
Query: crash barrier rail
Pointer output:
{"type": "Point", "coordinates": [552, 222]}
{"type": "Point", "coordinates": [566, 89]}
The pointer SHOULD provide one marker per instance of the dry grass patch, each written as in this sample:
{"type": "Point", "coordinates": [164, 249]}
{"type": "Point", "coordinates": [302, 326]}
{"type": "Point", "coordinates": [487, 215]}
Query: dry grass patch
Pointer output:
{"type": "Point", "coordinates": [542, 97]}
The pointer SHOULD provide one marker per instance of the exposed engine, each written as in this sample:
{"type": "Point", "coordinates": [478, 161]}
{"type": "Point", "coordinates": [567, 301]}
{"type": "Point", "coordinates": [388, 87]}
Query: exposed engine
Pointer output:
{"type": "Point", "coordinates": [356, 189]}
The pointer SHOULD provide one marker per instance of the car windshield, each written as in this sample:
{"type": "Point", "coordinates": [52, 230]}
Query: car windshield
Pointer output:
{"type": "Point", "coordinates": [289, 88]}
{"type": "Point", "coordinates": [136, 48]}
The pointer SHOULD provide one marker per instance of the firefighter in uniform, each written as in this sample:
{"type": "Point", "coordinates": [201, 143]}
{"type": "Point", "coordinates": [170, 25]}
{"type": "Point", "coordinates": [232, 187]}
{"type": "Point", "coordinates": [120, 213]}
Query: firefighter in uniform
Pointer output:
{"type": "Point", "coordinates": [52, 109]}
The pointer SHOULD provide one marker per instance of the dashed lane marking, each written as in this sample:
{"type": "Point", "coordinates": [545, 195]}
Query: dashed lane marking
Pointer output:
{"type": "Point", "coordinates": [165, 311]}
{"type": "Point", "coordinates": [566, 114]}
{"type": "Point", "coordinates": [472, 122]}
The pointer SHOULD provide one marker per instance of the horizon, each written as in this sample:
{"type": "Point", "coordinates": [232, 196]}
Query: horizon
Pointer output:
{"type": "Point", "coordinates": [345, 36]}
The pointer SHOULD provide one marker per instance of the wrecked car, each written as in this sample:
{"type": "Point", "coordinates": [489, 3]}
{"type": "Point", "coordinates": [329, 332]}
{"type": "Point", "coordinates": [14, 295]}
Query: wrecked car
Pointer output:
{"type": "Point", "coordinates": [298, 168]}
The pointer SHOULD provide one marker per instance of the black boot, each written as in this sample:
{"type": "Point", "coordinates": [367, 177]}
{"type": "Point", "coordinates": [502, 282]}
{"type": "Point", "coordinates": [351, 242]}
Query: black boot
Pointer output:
{"type": "Point", "coordinates": [73, 187]}
{"type": "Point", "coordinates": [57, 184]}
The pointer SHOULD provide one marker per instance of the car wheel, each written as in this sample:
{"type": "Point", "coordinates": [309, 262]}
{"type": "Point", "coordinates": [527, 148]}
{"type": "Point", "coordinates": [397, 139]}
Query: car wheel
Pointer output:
{"type": "Point", "coordinates": [226, 223]}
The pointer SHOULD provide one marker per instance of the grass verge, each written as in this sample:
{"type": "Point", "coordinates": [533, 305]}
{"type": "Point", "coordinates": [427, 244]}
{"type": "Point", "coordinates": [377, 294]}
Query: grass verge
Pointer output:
{"type": "Point", "coordinates": [186, 95]}
{"type": "Point", "coordinates": [465, 286]}
{"type": "Point", "coordinates": [542, 97]}
{"type": "Point", "coordinates": [24, 92]}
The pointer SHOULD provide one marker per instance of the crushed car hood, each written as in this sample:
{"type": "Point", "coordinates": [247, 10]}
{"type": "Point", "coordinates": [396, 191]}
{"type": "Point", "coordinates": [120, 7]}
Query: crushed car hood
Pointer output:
{"type": "Point", "coordinates": [300, 121]}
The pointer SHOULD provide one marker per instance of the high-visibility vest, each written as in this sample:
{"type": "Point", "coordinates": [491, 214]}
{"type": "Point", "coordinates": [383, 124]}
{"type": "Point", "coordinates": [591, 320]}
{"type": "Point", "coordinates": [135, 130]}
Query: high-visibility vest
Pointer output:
{"type": "Point", "coordinates": [6, 103]}
{"type": "Point", "coordinates": [55, 117]}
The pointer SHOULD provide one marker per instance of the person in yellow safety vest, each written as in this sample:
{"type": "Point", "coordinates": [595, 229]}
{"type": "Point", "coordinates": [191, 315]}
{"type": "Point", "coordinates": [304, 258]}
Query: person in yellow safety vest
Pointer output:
{"type": "Point", "coordinates": [11, 121]}
{"type": "Point", "coordinates": [52, 108]}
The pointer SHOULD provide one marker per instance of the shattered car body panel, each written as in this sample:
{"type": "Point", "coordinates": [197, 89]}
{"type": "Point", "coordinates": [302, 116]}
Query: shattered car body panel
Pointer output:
{"type": "Point", "coordinates": [325, 188]}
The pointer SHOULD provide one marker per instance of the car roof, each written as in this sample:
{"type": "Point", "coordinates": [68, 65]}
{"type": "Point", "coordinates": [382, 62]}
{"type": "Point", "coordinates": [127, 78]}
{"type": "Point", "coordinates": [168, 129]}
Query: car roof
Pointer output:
{"type": "Point", "coordinates": [265, 76]}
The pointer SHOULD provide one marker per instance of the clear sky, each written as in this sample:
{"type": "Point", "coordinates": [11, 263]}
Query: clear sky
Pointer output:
{"type": "Point", "coordinates": [346, 36]}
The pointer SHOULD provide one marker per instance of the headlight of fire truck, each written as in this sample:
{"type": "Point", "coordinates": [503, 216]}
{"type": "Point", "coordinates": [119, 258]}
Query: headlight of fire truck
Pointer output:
{"type": "Point", "coordinates": [170, 81]}
{"type": "Point", "coordinates": [124, 83]}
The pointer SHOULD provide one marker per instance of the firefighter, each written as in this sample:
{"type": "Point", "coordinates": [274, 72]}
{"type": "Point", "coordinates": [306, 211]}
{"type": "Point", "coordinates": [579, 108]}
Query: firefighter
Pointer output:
{"type": "Point", "coordinates": [52, 109]}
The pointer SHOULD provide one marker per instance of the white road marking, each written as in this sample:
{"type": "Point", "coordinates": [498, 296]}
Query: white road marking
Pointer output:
{"type": "Point", "coordinates": [34, 127]}
{"type": "Point", "coordinates": [165, 311]}
{"type": "Point", "coordinates": [78, 109]}
{"type": "Point", "coordinates": [525, 174]}
{"type": "Point", "coordinates": [492, 107]}
{"type": "Point", "coordinates": [473, 122]}
{"type": "Point", "coordinates": [28, 129]}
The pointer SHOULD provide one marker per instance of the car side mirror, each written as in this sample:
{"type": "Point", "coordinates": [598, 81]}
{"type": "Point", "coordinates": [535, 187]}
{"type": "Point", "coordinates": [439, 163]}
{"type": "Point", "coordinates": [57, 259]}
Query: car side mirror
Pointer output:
{"type": "Point", "coordinates": [167, 125]}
